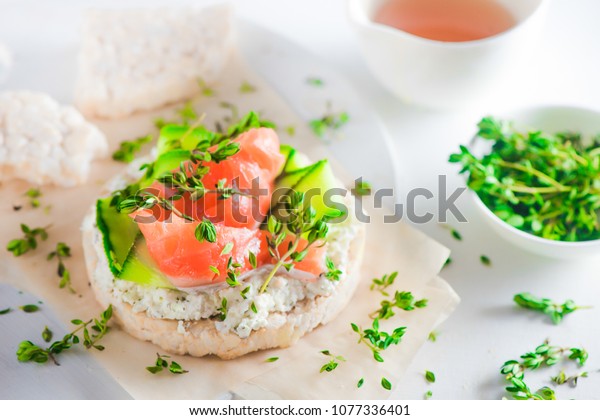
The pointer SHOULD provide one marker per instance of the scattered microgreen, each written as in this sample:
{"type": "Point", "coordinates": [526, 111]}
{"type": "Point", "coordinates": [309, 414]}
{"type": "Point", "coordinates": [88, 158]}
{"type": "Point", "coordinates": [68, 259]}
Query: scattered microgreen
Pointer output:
{"type": "Point", "coordinates": [246, 87]}
{"type": "Point", "coordinates": [253, 308]}
{"type": "Point", "coordinates": [485, 260]}
{"type": "Point", "coordinates": [315, 81]}
{"type": "Point", "coordinates": [428, 395]}
{"type": "Point", "coordinates": [383, 283]}
{"type": "Point", "coordinates": [252, 259]}
{"type": "Point", "coordinates": [33, 194]}
{"type": "Point", "coordinates": [543, 355]}
{"type": "Point", "coordinates": [360, 383]}
{"type": "Point", "coordinates": [206, 231]}
{"type": "Point", "coordinates": [227, 248]}
{"type": "Point", "coordinates": [29, 308]}
{"type": "Point", "coordinates": [244, 292]}
{"type": "Point", "coordinates": [205, 90]}
{"type": "Point", "coordinates": [376, 340]}
{"type": "Point", "coordinates": [162, 364]}
{"type": "Point", "coordinates": [447, 262]}
{"type": "Point", "coordinates": [30, 352]}
{"type": "Point", "coordinates": [223, 309]}
{"type": "Point", "coordinates": [540, 183]}
{"type": "Point", "coordinates": [5, 311]}
{"type": "Point", "coordinates": [333, 362]}
{"type": "Point", "coordinates": [456, 234]}
{"type": "Point", "coordinates": [272, 359]}
{"type": "Point", "coordinates": [563, 378]}
{"type": "Point", "coordinates": [62, 251]}
{"type": "Point", "coordinates": [214, 270]}
{"type": "Point", "coordinates": [554, 310]}
{"type": "Point", "coordinates": [291, 130]}
{"type": "Point", "coordinates": [433, 336]}
{"type": "Point", "coordinates": [29, 241]}
{"type": "Point", "coordinates": [430, 376]}
{"type": "Point", "coordinates": [47, 334]}
{"type": "Point", "coordinates": [128, 149]}
{"type": "Point", "coordinates": [386, 384]}
{"type": "Point", "coordinates": [332, 272]}
{"type": "Point", "coordinates": [331, 121]}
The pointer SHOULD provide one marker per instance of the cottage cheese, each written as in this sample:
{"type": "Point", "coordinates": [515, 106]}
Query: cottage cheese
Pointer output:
{"type": "Point", "coordinates": [43, 142]}
{"type": "Point", "coordinates": [133, 60]}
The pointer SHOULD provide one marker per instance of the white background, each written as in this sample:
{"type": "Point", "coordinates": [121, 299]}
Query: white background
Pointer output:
{"type": "Point", "coordinates": [486, 329]}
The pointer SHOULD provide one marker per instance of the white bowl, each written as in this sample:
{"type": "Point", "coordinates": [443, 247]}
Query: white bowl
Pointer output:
{"type": "Point", "coordinates": [445, 75]}
{"type": "Point", "coordinates": [549, 119]}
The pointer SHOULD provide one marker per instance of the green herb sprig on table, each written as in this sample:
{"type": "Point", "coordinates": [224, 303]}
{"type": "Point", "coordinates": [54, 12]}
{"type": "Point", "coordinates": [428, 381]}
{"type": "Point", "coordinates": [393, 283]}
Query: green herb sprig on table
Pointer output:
{"type": "Point", "coordinates": [376, 340]}
{"type": "Point", "coordinates": [30, 352]}
{"type": "Point", "coordinates": [61, 252]}
{"type": "Point", "coordinates": [333, 363]}
{"type": "Point", "coordinates": [402, 300]}
{"type": "Point", "coordinates": [34, 195]}
{"type": "Point", "coordinates": [330, 121]}
{"type": "Point", "coordinates": [29, 241]}
{"type": "Point", "coordinates": [546, 185]}
{"type": "Point", "coordinates": [246, 87]}
{"type": "Point", "coordinates": [554, 310]}
{"type": "Point", "coordinates": [543, 355]}
{"type": "Point", "coordinates": [128, 149]}
{"type": "Point", "coordinates": [563, 378]}
{"type": "Point", "coordinates": [161, 364]}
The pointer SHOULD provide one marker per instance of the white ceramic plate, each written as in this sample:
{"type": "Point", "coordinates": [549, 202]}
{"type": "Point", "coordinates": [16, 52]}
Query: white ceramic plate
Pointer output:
{"type": "Point", "coordinates": [50, 66]}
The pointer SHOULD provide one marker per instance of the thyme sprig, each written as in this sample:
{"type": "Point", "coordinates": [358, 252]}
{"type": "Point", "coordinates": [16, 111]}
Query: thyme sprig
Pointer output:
{"type": "Point", "coordinates": [297, 218]}
{"type": "Point", "coordinates": [572, 380]}
{"type": "Point", "coordinates": [34, 195]}
{"type": "Point", "coordinates": [376, 340]}
{"type": "Point", "coordinates": [554, 310]}
{"type": "Point", "coordinates": [61, 252]}
{"type": "Point", "coordinates": [30, 352]}
{"type": "Point", "coordinates": [333, 362]}
{"type": "Point", "coordinates": [383, 283]}
{"type": "Point", "coordinates": [330, 121]}
{"type": "Point", "coordinates": [29, 241]}
{"type": "Point", "coordinates": [402, 300]}
{"type": "Point", "coordinates": [161, 363]}
{"type": "Point", "coordinates": [543, 355]}
{"type": "Point", "coordinates": [332, 273]}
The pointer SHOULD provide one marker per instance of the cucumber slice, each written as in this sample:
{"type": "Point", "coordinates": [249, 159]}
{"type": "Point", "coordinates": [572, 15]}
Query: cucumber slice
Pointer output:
{"type": "Point", "coordinates": [290, 179]}
{"type": "Point", "coordinates": [315, 184]}
{"type": "Point", "coordinates": [140, 268]}
{"type": "Point", "coordinates": [166, 162]}
{"type": "Point", "coordinates": [293, 159]}
{"type": "Point", "coordinates": [314, 180]}
{"type": "Point", "coordinates": [118, 233]}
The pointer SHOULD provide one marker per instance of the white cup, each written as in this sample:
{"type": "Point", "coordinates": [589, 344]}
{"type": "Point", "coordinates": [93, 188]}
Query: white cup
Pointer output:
{"type": "Point", "coordinates": [446, 75]}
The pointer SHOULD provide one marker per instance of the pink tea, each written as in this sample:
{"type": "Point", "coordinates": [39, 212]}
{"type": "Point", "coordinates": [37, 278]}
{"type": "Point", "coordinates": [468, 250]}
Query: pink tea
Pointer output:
{"type": "Point", "coordinates": [447, 20]}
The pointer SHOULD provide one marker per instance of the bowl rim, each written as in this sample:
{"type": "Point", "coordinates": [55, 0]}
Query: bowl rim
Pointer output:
{"type": "Point", "coordinates": [356, 15]}
{"type": "Point", "coordinates": [526, 235]}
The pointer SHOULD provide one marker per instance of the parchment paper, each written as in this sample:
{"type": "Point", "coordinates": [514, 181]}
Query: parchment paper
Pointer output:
{"type": "Point", "coordinates": [390, 247]}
